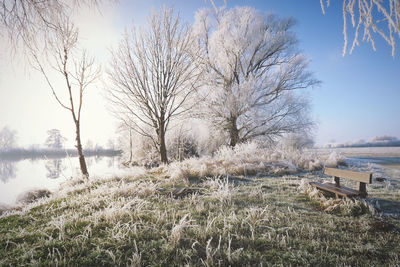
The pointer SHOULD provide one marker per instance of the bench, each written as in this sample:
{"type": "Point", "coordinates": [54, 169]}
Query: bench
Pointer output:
{"type": "Point", "coordinates": [361, 178]}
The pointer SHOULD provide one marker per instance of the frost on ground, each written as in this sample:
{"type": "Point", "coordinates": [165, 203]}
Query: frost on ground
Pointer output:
{"type": "Point", "coordinates": [134, 220]}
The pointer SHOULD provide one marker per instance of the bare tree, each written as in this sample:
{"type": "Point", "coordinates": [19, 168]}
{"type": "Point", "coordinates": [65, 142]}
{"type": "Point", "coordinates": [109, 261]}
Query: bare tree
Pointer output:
{"type": "Point", "coordinates": [251, 72]}
{"type": "Point", "coordinates": [76, 72]}
{"type": "Point", "coordinates": [374, 17]}
{"type": "Point", "coordinates": [153, 77]}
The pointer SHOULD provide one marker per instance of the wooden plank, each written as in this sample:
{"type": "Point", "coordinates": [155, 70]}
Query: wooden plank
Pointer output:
{"type": "Point", "coordinates": [364, 177]}
{"type": "Point", "coordinates": [343, 191]}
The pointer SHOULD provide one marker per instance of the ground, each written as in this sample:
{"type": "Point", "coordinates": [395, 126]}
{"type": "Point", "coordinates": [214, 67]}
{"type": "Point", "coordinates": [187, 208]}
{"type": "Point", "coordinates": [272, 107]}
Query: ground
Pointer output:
{"type": "Point", "coordinates": [236, 221]}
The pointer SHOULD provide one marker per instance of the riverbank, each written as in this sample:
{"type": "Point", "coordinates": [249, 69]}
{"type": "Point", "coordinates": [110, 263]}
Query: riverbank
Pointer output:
{"type": "Point", "coordinates": [360, 152]}
{"type": "Point", "coordinates": [141, 220]}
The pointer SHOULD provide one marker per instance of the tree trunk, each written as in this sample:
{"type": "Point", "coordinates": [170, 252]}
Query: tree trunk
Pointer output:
{"type": "Point", "coordinates": [233, 132]}
{"type": "Point", "coordinates": [82, 161]}
{"type": "Point", "coordinates": [130, 146]}
{"type": "Point", "coordinates": [163, 147]}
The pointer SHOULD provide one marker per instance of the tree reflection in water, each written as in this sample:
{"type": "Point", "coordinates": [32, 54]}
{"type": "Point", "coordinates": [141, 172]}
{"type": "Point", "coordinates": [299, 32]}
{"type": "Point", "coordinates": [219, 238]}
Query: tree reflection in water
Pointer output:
{"type": "Point", "coordinates": [110, 162]}
{"type": "Point", "coordinates": [54, 168]}
{"type": "Point", "coordinates": [89, 161]}
{"type": "Point", "coordinates": [8, 170]}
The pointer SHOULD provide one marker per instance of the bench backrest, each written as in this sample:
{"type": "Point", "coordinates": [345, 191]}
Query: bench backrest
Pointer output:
{"type": "Point", "coordinates": [363, 177]}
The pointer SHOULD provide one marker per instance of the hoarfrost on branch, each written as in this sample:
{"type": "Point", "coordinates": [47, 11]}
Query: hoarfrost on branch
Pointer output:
{"type": "Point", "coordinates": [251, 69]}
{"type": "Point", "coordinates": [154, 77]}
{"type": "Point", "coordinates": [370, 17]}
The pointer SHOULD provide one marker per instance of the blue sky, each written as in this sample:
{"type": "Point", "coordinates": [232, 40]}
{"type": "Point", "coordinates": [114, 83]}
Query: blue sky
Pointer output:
{"type": "Point", "coordinates": [360, 93]}
{"type": "Point", "coordinates": [359, 97]}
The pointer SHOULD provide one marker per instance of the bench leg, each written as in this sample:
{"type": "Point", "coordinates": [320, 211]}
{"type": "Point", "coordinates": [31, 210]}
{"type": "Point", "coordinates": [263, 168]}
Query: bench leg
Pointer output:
{"type": "Point", "coordinates": [362, 187]}
{"type": "Point", "coordinates": [336, 180]}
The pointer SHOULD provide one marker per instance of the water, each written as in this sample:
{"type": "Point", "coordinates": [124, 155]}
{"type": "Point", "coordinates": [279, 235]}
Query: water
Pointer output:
{"type": "Point", "coordinates": [378, 160]}
{"type": "Point", "coordinates": [388, 167]}
{"type": "Point", "coordinates": [17, 177]}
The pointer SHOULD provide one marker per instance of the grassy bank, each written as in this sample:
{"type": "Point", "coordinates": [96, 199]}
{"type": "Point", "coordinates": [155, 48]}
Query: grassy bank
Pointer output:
{"type": "Point", "coordinates": [138, 221]}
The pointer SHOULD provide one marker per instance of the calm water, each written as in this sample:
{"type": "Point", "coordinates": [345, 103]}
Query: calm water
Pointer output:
{"type": "Point", "coordinates": [379, 160]}
{"type": "Point", "coordinates": [19, 176]}
{"type": "Point", "coordinates": [388, 167]}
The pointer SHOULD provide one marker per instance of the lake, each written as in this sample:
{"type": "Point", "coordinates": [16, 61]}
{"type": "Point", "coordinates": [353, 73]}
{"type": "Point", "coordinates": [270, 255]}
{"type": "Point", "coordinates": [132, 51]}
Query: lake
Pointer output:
{"type": "Point", "coordinates": [18, 176]}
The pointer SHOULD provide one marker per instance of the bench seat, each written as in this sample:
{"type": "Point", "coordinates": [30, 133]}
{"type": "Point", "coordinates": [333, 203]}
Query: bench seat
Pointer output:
{"type": "Point", "coordinates": [341, 191]}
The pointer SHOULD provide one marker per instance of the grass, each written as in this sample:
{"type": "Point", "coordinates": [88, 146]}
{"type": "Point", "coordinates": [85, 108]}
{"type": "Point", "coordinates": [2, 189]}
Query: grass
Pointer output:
{"type": "Point", "coordinates": [135, 221]}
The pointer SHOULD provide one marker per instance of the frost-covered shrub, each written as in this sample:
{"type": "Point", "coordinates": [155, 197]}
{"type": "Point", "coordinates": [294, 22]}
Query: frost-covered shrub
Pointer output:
{"type": "Point", "coordinates": [348, 207]}
{"type": "Point", "coordinates": [182, 146]}
{"type": "Point", "coordinates": [296, 141]}
{"type": "Point", "coordinates": [249, 159]}
{"type": "Point", "coordinates": [32, 195]}
{"type": "Point", "coordinates": [334, 159]}
{"type": "Point", "coordinates": [137, 150]}
{"type": "Point", "coordinates": [4, 208]}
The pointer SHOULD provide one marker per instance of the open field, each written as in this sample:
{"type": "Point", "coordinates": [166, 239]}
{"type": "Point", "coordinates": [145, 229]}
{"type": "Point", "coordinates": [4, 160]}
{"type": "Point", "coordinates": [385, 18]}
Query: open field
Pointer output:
{"type": "Point", "coordinates": [268, 220]}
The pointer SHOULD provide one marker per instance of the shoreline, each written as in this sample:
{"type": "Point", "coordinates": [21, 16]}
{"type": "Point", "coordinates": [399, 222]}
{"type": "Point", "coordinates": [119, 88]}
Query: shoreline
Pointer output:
{"type": "Point", "coordinates": [392, 166]}
{"type": "Point", "coordinates": [361, 152]}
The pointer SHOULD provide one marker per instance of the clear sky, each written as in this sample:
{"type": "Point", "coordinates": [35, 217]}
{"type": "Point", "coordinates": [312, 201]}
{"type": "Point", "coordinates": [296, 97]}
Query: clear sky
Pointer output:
{"type": "Point", "coordinates": [359, 97]}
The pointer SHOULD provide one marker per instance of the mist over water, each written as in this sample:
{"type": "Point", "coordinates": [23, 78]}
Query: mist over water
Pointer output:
{"type": "Point", "coordinates": [18, 176]}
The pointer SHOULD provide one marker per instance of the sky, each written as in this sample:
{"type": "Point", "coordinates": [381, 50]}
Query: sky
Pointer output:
{"type": "Point", "coordinates": [359, 95]}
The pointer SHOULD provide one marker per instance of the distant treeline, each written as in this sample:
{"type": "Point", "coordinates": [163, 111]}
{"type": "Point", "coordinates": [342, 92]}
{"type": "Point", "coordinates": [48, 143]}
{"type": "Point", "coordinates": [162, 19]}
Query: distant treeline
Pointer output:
{"type": "Point", "coordinates": [37, 153]}
{"type": "Point", "coordinates": [369, 145]}
{"type": "Point", "coordinates": [379, 141]}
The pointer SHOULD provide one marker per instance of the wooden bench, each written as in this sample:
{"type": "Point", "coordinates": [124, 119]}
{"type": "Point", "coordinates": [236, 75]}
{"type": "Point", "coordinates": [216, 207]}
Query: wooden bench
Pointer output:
{"type": "Point", "coordinates": [361, 178]}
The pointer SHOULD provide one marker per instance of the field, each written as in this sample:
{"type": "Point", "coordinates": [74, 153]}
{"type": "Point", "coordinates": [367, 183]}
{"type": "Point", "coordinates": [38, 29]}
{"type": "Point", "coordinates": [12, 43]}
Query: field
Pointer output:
{"type": "Point", "coordinates": [234, 219]}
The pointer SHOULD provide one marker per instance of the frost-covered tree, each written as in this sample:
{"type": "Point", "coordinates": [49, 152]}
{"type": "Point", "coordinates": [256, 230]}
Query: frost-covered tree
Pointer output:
{"type": "Point", "coordinates": [153, 77]}
{"type": "Point", "coordinates": [54, 139]}
{"type": "Point", "coordinates": [297, 141]}
{"type": "Point", "coordinates": [370, 17]}
{"type": "Point", "coordinates": [74, 68]}
{"type": "Point", "coordinates": [7, 138]}
{"type": "Point", "coordinates": [252, 70]}
{"type": "Point", "coordinates": [29, 20]}
{"type": "Point", "coordinates": [89, 145]}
